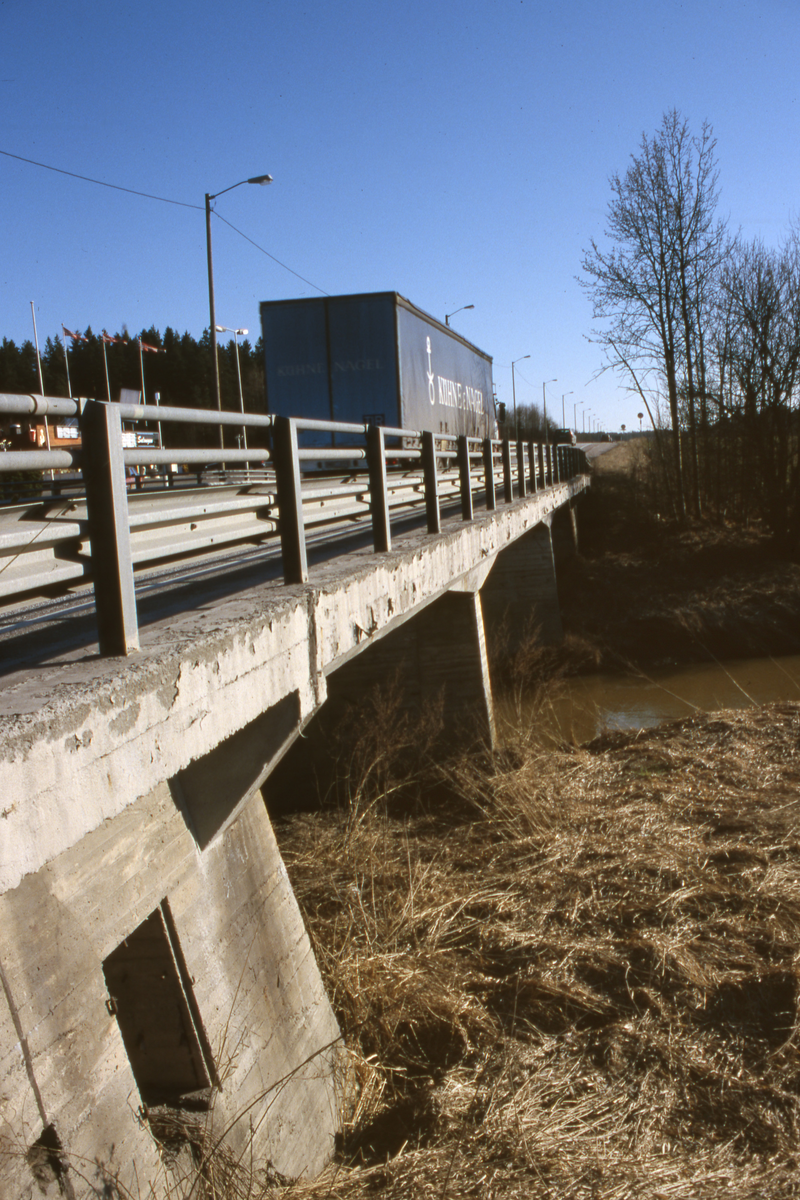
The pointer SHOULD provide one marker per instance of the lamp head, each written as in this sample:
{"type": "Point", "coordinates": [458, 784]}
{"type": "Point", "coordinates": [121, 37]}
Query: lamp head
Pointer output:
{"type": "Point", "coordinates": [260, 179]}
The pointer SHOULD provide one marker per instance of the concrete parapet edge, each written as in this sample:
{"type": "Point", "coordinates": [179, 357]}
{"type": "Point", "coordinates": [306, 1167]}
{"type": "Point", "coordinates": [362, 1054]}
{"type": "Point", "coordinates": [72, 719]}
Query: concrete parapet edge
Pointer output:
{"type": "Point", "coordinates": [121, 727]}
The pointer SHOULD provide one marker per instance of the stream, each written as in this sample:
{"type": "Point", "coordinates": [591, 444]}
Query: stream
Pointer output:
{"type": "Point", "coordinates": [585, 706]}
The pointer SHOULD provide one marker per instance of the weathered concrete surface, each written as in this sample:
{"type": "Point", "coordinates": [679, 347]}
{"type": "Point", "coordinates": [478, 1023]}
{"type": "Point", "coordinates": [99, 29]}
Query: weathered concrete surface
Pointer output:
{"type": "Point", "coordinates": [82, 741]}
{"type": "Point", "coordinates": [271, 1030]}
{"type": "Point", "coordinates": [520, 595]}
{"type": "Point", "coordinates": [126, 785]}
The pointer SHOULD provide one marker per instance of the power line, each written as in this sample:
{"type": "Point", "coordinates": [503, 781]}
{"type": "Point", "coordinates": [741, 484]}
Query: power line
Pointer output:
{"type": "Point", "coordinates": [272, 256]}
{"type": "Point", "coordinates": [164, 200]}
{"type": "Point", "coordinates": [101, 182]}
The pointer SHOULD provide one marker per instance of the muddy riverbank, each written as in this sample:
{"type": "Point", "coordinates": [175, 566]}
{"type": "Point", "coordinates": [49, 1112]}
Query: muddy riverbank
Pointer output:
{"type": "Point", "coordinates": [574, 972]}
{"type": "Point", "coordinates": [648, 592]}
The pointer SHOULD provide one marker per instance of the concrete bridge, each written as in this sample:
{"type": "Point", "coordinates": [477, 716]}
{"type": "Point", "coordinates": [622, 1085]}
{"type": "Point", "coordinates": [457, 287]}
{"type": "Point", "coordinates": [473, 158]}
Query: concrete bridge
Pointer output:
{"type": "Point", "coordinates": [159, 986]}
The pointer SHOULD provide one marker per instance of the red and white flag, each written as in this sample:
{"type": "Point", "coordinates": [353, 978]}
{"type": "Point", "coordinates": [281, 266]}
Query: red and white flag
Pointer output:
{"type": "Point", "coordinates": [108, 339]}
{"type": "Point", "coordinates": [152, 349]}
{"type": "Point", "coordinates": [76, 337]}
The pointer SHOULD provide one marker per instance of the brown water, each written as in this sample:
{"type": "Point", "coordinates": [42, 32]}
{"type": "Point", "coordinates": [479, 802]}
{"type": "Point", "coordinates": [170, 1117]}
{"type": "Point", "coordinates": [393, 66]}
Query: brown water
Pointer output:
{"type": "Point", "coordinates": [589, 705]}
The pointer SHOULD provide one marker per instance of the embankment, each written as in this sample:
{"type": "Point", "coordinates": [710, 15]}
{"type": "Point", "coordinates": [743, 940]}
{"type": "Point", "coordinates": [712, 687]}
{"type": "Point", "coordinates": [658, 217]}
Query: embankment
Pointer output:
{"type": "Point", "coordinates": [649, 592]}
{"type": "Point", "coordinates": [575, 972]}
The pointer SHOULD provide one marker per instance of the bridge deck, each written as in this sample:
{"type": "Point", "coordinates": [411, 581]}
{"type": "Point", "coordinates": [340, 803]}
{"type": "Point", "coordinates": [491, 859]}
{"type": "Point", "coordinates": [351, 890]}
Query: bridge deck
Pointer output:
{"type": "Point", "coordinates": [205, 673]}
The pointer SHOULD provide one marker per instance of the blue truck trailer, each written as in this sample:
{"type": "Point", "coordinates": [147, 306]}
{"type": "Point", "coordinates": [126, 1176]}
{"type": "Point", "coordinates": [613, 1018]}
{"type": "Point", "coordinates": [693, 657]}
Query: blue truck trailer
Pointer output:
{"type": "Point", "coordinates": [376, 359]}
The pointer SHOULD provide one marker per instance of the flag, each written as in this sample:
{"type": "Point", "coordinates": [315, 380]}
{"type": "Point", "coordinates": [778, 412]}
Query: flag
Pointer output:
{"type": "Point", "coordinates": [108, 339]}
{"type": "Point", "coordinates": [76, 337]}
{"type": "Point", "coordinates": [152, 349]}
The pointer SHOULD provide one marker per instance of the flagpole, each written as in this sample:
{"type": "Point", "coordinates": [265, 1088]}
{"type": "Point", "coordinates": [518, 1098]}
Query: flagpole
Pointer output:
{"type": "Point", "coordinates": [66, 360]}
{"type": "Point", "coordinates": [141, 368]}
{"type": "Point", "coordinates": [41, 384]}
{"type": "Point", "coordinates": [105, 360]}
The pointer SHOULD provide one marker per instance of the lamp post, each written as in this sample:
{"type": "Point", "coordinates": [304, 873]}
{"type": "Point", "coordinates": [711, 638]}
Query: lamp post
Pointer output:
{"type": "Point", "coordinates": [262, 180]}
{"type": "Point", "coordinates": [544, 404]}
{"type": "Point", "coordinates": [237, 333]}
{"type": "Point", "coordinates": [563, 414]}
{"type": "Point", "coordinates": [514, 393]}
{"type": "Point", "coordinates": [463, 308]}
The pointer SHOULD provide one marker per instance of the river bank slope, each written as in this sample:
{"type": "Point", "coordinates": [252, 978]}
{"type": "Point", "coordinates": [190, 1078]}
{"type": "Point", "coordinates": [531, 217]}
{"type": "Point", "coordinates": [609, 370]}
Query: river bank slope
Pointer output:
{"type": "Point", "coordinates": [647, 591]}
{"type": "Point", "coordinates": [574, 972]}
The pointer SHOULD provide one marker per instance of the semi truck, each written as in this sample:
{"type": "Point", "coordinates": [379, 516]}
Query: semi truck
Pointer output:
{"type": "Point", "coordinates": [374, 359]}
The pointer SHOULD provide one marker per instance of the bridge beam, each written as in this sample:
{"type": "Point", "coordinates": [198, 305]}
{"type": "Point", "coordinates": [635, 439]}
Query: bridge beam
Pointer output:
{"type": "Point", "coordinates": [437, 660]}
{"type": "Point", "coordinates": [520, 593]}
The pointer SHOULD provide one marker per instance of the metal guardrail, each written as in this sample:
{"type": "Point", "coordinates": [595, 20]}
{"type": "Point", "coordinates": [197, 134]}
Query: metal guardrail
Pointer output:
{"type": "Point", "coordinates": [104, 533]}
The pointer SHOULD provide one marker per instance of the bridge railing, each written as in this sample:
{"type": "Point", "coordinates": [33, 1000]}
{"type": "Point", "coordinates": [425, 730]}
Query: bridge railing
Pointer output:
{"type": "Point", "coordinates": [103, 533]}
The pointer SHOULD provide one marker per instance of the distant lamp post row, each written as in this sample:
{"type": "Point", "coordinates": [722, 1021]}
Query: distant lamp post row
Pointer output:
{"type": "Point", "coordinates": [237, 333]}
{"type": "Point", "coordinates": [514, 393]}
{"type": "Point", "coordinates": [261, 180]}
{"type": "Point", "coordinates": [544, 406]}
{"type": "Point", "coordinates": [463, 308]}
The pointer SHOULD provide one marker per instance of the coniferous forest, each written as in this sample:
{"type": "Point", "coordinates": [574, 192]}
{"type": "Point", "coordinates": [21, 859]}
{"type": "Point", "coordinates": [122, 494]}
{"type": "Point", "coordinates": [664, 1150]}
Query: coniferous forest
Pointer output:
{"type": "Point", "coordinates": [182, 376]}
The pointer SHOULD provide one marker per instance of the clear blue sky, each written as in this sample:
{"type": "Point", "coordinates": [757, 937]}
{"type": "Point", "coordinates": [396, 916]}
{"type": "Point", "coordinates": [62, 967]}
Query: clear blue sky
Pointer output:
{"type": "Point", "coordinates": [456, 152]}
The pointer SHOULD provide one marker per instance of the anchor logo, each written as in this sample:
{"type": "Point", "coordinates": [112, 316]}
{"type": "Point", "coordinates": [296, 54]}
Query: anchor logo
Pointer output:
{"type": "Point", "coordinates": [431, 388]}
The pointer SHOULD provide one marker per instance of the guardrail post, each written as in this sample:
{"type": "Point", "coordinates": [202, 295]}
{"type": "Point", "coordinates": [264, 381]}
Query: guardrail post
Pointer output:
{"type": "Point", "coordinates": [508, 479]}
{"type": "Point", "coordinates": [378, 492]}
{"type": "Point", "coordinates": [521, 467]}
{"type": "Point", "coordinates": [109, 530]}
{"type": "Point", "coordinates": [540, 454]}
{"type": "Point", "coordinates": [531, 468]}
{"type": "Point", "coordinates": [290, 501]}
{"type": "Point", "coordinates": [431, 482]}
{"type": "Point", "coordinates": [488, 471]}
{"type": "Point", "coordinates": [464, 477]}
{"type": "Point", "coordinates": [548, 454]}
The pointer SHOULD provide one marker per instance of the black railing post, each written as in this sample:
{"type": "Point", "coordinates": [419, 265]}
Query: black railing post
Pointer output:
{"type": "Point", "coordinates": [464, 477]}
{"type": "Point", "coordinates": [540, 455]}
{"type": "Point", "coordinates": [290, 501]}
{"type": "Point", "coordinates": [488, 471]}
{"type": "Point", "coordinates": [109, 530]}
{"type": "Point", "coordinates": [521, 467]}
{"type": "Point", "coordinates": [431, 482]}
{"type": "Point", "coordinates": [378, 491]}
{"type": "Point", "coordinates": [548, 453]}
{"type": "Point", "coordinates": [508, 479]}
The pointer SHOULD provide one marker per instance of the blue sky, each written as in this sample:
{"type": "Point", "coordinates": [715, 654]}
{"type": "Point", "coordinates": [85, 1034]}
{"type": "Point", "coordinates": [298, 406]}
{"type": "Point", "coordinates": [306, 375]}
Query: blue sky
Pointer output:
{"type": "Point", "coordinates": [457, 152]}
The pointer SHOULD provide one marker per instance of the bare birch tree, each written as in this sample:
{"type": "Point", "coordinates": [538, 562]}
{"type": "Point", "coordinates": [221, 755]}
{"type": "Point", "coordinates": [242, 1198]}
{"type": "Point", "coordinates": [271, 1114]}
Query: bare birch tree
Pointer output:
{"type": "Point", "coordinates": [650, 289]}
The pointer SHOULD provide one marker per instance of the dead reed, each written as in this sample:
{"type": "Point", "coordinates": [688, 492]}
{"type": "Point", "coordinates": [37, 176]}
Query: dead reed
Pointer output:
{"type": "Point", "coordinates": [567, 973]}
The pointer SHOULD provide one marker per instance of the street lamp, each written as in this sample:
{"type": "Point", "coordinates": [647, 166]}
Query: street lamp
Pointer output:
{"type": "Point", "coordinates": [237, 333]}
{"type": "Point", "coordinates": [544, 403]}
{"type": "Point", "coordinates": [262, 180]}
{"type": "Point", "coordinates": [563, 414]}
{"type": "Point", "coordinates": [514, 393]}
{"type": "Point", "coordinates": [463, 308]}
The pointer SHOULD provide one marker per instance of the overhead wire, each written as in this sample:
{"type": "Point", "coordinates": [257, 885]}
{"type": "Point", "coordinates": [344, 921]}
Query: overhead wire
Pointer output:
{"type": "Point", "coordinates": [164, 200]}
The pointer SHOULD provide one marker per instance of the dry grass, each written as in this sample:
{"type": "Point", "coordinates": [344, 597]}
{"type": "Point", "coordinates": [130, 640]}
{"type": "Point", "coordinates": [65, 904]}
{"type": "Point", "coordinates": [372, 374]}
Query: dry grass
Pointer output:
{"type": "Point", "coordinates": [569, 974]}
